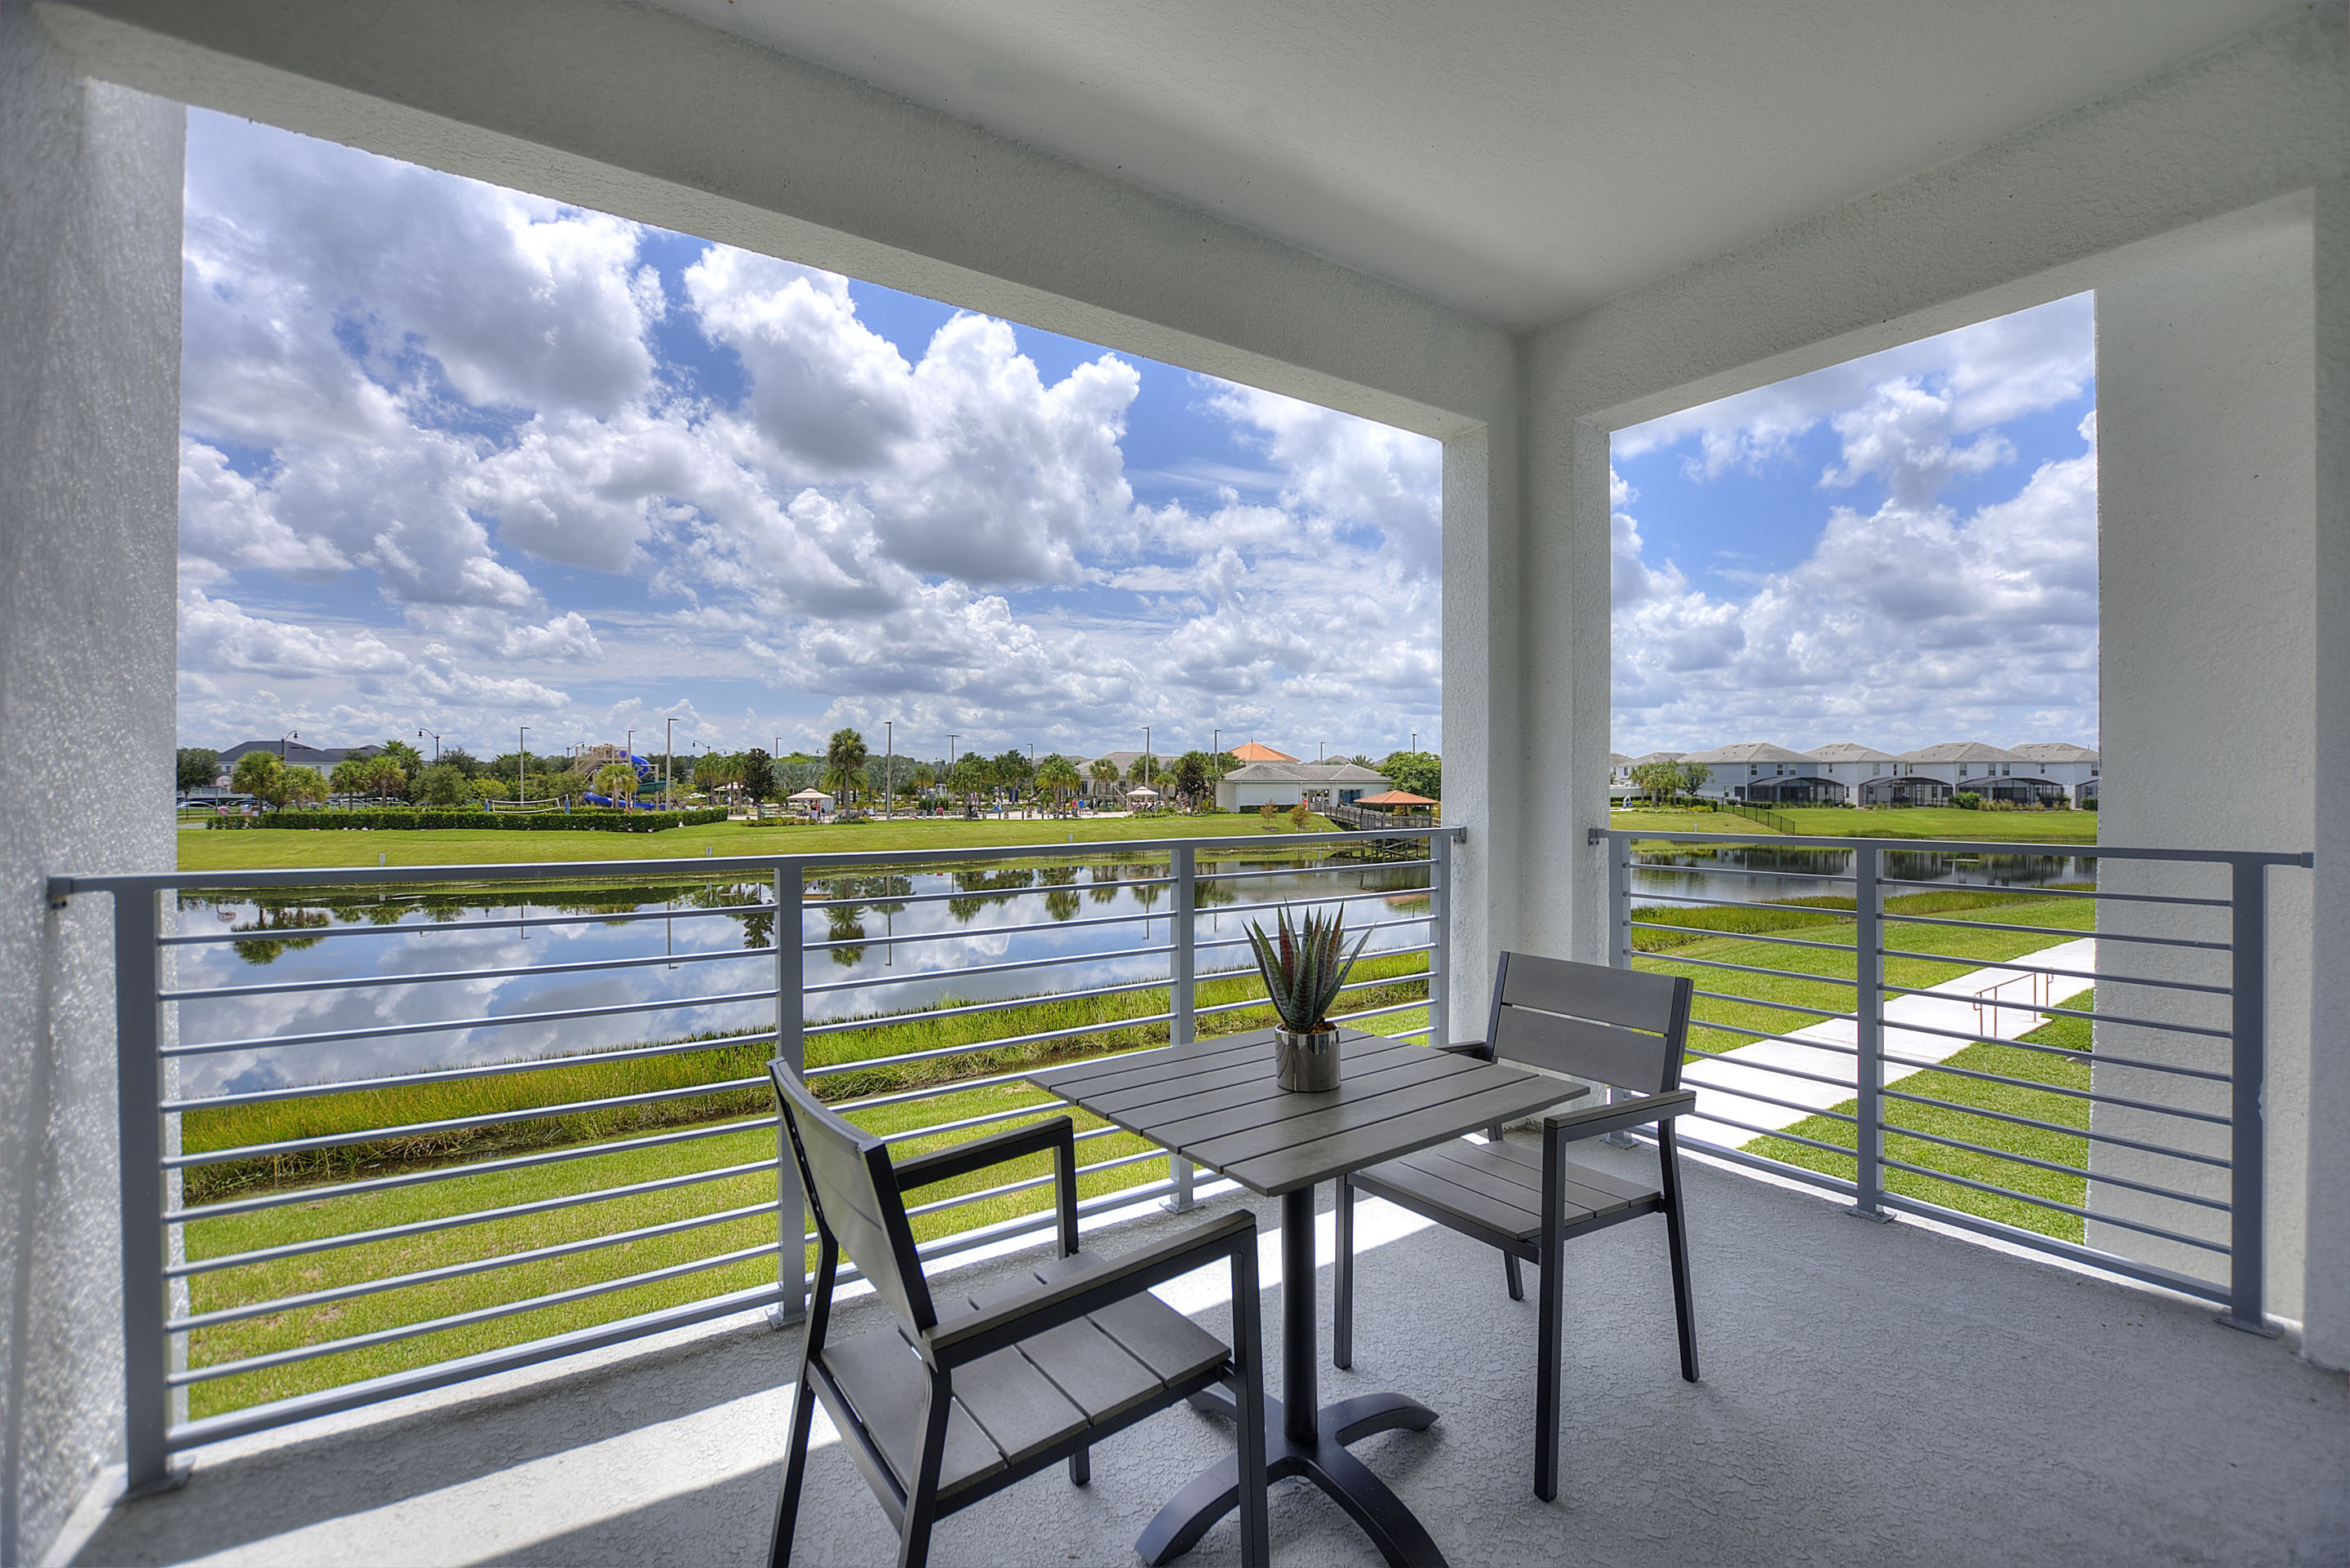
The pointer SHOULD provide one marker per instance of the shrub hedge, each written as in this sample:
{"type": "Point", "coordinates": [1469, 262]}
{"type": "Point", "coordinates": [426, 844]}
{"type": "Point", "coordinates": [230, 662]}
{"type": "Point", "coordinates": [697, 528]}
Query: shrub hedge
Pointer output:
{"type": "Point", "coordinates": [592, 820]}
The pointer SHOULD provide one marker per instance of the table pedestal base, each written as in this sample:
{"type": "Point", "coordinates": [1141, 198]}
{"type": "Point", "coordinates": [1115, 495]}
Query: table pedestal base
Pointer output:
{"type": "Point", "coordinates": [1323, 1459]}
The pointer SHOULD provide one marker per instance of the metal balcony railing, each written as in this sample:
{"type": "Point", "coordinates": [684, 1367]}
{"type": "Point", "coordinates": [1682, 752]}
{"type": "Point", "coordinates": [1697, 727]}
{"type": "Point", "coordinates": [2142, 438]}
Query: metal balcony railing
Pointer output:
{"type": "Point", "coordinates": [304, 1179]}
{"type": "Point", "coordinates": [1880, 1031]}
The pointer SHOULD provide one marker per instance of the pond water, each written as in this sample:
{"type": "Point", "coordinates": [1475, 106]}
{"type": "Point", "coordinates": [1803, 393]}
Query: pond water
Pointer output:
{"type": "Point", "coordinates": [919, 936]}
{"type": "Point", "coordinates": [1759, 874]}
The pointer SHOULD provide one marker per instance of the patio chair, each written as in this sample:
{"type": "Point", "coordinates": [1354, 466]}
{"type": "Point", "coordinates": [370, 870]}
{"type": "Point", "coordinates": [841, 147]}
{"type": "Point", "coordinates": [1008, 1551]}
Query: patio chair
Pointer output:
{"type": "Point", "coordinates": [965, 1393]}
{"type": "Point", "coordinates": [1606, 1025]}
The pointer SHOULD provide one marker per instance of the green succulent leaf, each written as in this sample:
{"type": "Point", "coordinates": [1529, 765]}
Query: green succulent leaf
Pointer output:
{"type": "Point", "coordinates": [1304, 966]}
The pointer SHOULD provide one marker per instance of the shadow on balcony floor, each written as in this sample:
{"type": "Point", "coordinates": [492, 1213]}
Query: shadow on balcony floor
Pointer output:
{"type": "Point", "coordinates": [1874, 1394]}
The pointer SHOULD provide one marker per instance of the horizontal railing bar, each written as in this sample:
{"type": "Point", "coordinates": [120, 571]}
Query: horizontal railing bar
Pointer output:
{"type": "Point", "coordinates": [2071, 1252]}
{"type": "Point", "coordinates": [952, 1086]}
{"type": "Point", "coordinates": [2054, 931]}
{"type": "Point", "coordinates": [1697, 1024]}
{"type": "Point", "coordinates": [1009, 1188]}
{"type": "Point", "coordinates": [1771, 1006]}
{"type": "Point", "coordinates": [1824, 913]}
{"type": "Point", "coordinates": [435, 928]}
{"type": "Point", "coordinates": [2089, 974]}
{"type": "Point", "coordinates": [1765, 1132]}
{"type": "Point", "coordinates": [1045, 1106]}
{"type": "Point", "coordinates": [833, 1069]}
{"type": "Point", "coordinates": [2062, 893]}
{"type": "Point", "coordinates": [454, 1221]}
{"type": "Point", "coordinates": [1966, 847]}
{"type": "Point", "coordinates": [1666, 868]}
{"type": "Point", "coordinates": [880, 903]}
{"type": "Point", "coordinates": [765, 864]}
{"type": "Point", "coordinates": [1752, 969]}
{"type": "Point", "coordinates": [459, 1074]}
{"type": "Point", "coordinates": [2052, 1010]}
{"type": "Point", "coordinates": [1352, 931]}
{"type": "Point", "coordinates": [1762, 1099]}
{"type": "Point", "coordinates": [868, 982]}
{"type": "Point", "coordinates": [1326, 866]}
{"type": "Point", "coordinates": [355, 982]}
{"type": "Point", "coordinates": [1706, 934]}
{"type": "Point", "coordinates": [1317, 900]}
{"type": "Point", "coordinates": [1895, 1130]}
{"type": "Point", "coordinates": [2215, 1161]}
{"type": "Point", "coordinates": [455, 1124]}
{"type": "Point", "coordinates": [384, 1031]}
{"type": "Point", "coordinates": [376, 1286]}
{"type": "Point", "coordinates": [262, 1363]}
{"type": "Point", "coordinates": [960, 933]}
{"type": "Point", "coordinates": [231, 1206]}
{"type": "Point", "coordinates": [967, 1010]}
{"type": "Point", "coordinates": [2050, 1203]}
{"type": "Point", "coordinates": [2089, 1095]}
{"type": "Point", "coordinates": [1377, 1013]}
{"type": "Point", "coordinates": [1832, 1082]}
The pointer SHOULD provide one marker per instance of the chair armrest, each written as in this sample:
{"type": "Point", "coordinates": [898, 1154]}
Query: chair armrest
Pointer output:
{"type": "Point", "coordinates": [979, 1153]}
{"type": "Point", "coordinates": [1592, 1121]}
{"type": "Point", "coordinates": [1046, 1306]}
{"type": "Point", "coordinates": [1477, 1048]}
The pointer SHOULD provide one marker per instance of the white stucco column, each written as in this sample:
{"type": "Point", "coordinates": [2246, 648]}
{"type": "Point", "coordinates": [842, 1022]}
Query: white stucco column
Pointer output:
{"type": "Point", "coordinates": [2326, 1305]}
{"type": "Point", "coordinates": [89, 370]}
{"type": "Point", "coordinates": [2209, 583]}
{"type": "Point", "coordinates": [1483, 732]}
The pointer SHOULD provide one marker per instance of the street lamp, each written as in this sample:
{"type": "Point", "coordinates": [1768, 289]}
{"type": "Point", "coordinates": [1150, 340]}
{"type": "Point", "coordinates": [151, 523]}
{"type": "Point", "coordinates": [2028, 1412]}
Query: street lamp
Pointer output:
{"type": "Point", "coordinates": [521, 755]}
{"type": "Point", "coordinates": [295, 735]}
{"type": "Point", "coordinates": [889, 767]}
{"type": "Point", "coordinates": [669, 764]}
{"type": "Point", "coordinates": [436, 743]}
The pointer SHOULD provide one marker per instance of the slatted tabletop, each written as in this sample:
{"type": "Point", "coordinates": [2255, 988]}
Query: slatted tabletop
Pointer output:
{"type": "Point", "coordinates": [1215, 1103]}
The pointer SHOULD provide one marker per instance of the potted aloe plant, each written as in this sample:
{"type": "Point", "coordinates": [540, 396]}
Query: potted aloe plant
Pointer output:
{"type": "Point", "coordinates": [1305, 967]}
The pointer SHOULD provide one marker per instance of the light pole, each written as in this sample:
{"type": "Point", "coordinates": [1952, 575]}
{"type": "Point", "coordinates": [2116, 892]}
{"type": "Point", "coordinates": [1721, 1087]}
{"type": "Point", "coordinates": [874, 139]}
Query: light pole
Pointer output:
{"type": "Point", "coordinates": [1147, 769]}
{"type": "Point", "coordinates": [521, 755]}
{"type": "Point", "coordinates": [953, 789]}
{"type": "Point", "coordinates": [669, 764]}
{"type": "Point", "coordinates": [889, 767]}
{"type": "Point", "coordinates": [294, 735]}
{"type": "Point", "coordinates": [436, 743]}
{"type": "Point", "coordinates": [629, 746]}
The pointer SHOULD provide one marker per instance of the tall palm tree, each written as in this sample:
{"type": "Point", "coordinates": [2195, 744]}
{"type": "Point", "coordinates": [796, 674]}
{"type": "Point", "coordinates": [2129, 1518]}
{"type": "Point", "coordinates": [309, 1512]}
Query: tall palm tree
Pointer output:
{"type": "Point", "coordinates": [1058, 774]}
{"type": "Point", "coordinates": [844, 762]}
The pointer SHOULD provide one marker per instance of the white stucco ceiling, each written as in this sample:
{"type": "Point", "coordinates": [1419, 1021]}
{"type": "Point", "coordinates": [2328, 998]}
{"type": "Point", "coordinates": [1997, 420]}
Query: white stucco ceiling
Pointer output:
{"type": "Point", "coordinates": [1517, 159]}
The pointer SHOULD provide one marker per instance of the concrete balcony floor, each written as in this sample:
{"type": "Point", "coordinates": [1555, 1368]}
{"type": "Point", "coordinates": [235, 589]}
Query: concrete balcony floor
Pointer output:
{"type": "Point", "coordinates": [1873, 1394]}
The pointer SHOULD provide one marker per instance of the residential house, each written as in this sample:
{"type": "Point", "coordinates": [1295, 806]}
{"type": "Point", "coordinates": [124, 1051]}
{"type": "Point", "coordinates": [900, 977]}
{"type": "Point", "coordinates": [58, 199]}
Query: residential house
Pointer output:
{"type": "Point", "coordinates": [1319, 784]}
{"type": "Point", "coordinates": [2063, 763]}
{"type": "Point", "coordinates": [1759, 771]}
{"type": "Point", "coordinates": [1971, 767]}
{"type": "Point", "coordinates": [1849, 765]}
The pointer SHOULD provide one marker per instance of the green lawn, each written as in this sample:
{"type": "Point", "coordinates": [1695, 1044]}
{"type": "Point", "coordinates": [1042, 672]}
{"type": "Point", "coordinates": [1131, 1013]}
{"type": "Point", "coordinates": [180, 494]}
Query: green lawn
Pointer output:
{"type": "Point", "coordinates": [2068, 1149]}
{"type": "Point", "coordinates": [252, 849]}
{"type": "Point", "coordinates": [1915, 822]}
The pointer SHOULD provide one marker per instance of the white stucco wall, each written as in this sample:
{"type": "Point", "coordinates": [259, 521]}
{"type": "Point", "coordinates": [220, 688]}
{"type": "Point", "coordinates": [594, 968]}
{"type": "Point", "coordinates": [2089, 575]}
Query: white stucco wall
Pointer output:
{"type": "Point", "coordinates": [2119, 189]}
{"type": "Point", "coordinates": [89, 363]}
{"type": "Point", "coordinates": [2207, 545]}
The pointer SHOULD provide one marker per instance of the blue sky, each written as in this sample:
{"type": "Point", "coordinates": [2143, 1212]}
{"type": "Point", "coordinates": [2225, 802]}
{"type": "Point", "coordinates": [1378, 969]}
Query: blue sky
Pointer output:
{"type": "Point", "coordinates": [1897, 550]}
{"type": "Point", "coordinates": [458, 459]}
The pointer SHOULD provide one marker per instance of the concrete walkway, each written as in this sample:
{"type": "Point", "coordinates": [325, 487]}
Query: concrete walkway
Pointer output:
{"type": "Point", "coordinates": [1996, 1003]}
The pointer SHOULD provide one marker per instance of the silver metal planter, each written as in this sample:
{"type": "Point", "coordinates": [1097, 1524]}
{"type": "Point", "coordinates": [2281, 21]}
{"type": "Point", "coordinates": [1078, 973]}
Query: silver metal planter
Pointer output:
{"type": "Point", "coordinates": [1308, 1063]}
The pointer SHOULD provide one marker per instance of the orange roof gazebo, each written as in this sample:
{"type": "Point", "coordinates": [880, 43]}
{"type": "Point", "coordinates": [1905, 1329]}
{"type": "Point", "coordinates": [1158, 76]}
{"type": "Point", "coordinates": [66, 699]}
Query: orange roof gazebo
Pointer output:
{"type": "Point", "coordinates": [1253, 752]}
{"type": "Point", "coordinates": [1396, 797]}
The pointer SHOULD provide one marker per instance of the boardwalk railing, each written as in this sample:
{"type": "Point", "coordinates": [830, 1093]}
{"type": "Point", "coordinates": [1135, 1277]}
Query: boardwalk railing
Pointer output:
{"type": "Point", "coordinates": [387, 1129]}
{"type": "Point", "coordinates": [2068, 1058]}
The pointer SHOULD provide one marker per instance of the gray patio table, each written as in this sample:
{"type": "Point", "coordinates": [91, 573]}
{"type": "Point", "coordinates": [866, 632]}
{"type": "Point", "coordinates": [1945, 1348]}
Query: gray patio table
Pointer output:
{"type": "Point", "coordinates": [1215, 1103]}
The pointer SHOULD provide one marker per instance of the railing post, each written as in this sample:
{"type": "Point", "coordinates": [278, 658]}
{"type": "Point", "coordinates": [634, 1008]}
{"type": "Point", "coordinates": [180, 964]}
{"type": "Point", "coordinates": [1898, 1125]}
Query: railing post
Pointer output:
{"type": "Point", "coordinates": [1440, 936]}
{"type": "Point", "coordinates": [139, 1089]}
{"type": "Point", "coordinates": [2248, 988]}
{"type": "Point", "coordinates": [791, 1049]}
{"type": "Point", "coordinates": [1619, 901]}
{"type": "Point", "coordinates": [1868, 1034]}
{"type": "Point", "coordinates": [1182, 990]}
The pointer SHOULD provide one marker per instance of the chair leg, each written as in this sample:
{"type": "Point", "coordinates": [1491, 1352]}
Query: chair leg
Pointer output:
{"type": "Point", "coordinates": [787, 1507]}
{"type": "Point", "coordinates": [1081, 1466]}
{"type": "Point", "coordinates": [1510, 1273]}
{"type": "Point", "coordinates": [1342, 1298]}
{"type": "Point", "coordinates": [1669, 1164]}
{"type": "Point", "coordinates": [1549, 1326]}
{"type": "Point", "coordinates": [922, 1496]}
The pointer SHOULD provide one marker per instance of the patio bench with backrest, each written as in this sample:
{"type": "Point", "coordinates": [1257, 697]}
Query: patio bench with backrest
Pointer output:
{"type": "Point", "coordinates": [965, 1393]}
{"type": "Point", "coordinates": [1606, 1025]}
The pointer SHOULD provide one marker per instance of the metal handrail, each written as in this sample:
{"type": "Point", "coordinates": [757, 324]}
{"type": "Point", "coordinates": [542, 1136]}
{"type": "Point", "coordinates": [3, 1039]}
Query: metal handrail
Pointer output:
{"type": "Point", "coordinates": [1870, 946]}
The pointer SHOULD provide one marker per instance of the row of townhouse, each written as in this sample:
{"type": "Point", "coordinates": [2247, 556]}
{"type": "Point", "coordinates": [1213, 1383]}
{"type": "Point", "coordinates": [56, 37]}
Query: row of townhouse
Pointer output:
{"type": "Point", "coordinates": [2037, 773]}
